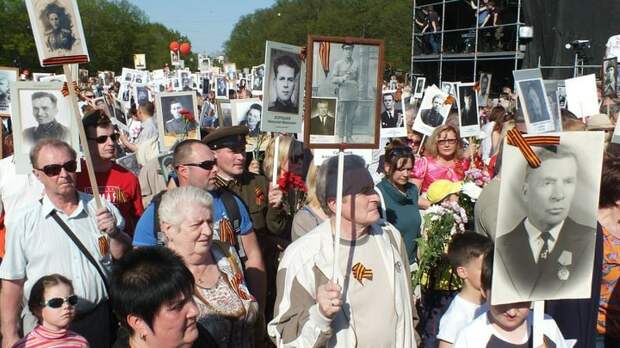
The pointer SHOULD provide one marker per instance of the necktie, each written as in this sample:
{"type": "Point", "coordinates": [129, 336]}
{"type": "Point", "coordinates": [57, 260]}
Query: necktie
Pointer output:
{"type": "Point", "coordinates": [544, 251]}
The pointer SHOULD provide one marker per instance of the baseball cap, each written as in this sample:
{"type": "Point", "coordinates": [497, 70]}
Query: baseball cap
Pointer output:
{"type": "Point", "coordinates": [441, 189]}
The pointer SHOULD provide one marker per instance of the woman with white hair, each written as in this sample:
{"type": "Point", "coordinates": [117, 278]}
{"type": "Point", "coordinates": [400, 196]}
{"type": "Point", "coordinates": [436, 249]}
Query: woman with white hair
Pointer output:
{"type": "Point", "coordinates": [227, 309]}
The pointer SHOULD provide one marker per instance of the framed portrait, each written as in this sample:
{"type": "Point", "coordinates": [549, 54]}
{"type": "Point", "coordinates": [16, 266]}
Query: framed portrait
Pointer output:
{"type": "Point", "coordinates": [177, 117]}
{"type": "Point", "coordinates": [139, 61]}
{"type": "Point", "coordinates": [57, 30]}
{"type": "Point", "coordinates": [392, 116]}
{"type": "Point", "coordinates": [83, 76]}
{"type": "Point", "coordinates": [485, 88]}
{"type": "Point", "coordinates": [224, 111]}
{"type": "Point", "coordinates": [560, 198]}
{"type": "Point", "coordinates": [185, 79]}
{"type": "Point", "coordinates": [141, 94]}
{"type": "Point", "coordinates": [39, 110]}
{"type": "Point", "coordinates": [53, 78]}
{"type": "Point", "coordinates": [450, 88]}
{"type": "Point", "coordinates": [322, 125]}
{"type": "Point", "coordinates": [247, 112]}
{"type": "Point", "coordinates": [258, 75]}
{"type": "Point", "coordinates": [230, 70]}
{"type": "Point", "coordinates": [433, 111]}
{"type": "Point", "coordinates": [7, 75]}
{"type": "Point", "coordinates": [420, 82]}
{"type": "Point", "coordinates": [174, 59]}
{"type": "Point", "coordinates": [551, 91]}
{"type": "Point", "coordinates": [38, 76]}
{"type": "Point", "coordinates": [204, 63]}
{"type": "Point", "coordinates": [282, 92]}
{"type": "Point", "coordinates": [469, 119]}
{"type": "Point", "coordinates": [221, 87]}
{"type": "Point", "coordinates": [350, 70]}
{"type": "Point", "coordinates": [535, 106]}
{"type": "Point", "coordinates": [166, 165]}
{"type": "Point", "coordinates": [609, 76]}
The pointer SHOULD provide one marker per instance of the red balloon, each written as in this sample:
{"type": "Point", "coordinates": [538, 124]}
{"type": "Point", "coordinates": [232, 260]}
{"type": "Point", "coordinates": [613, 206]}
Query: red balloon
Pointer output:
{"type": "Point", "coordinates": [174, 46]}
{"type": "Point", "coordinates": [185, 48]}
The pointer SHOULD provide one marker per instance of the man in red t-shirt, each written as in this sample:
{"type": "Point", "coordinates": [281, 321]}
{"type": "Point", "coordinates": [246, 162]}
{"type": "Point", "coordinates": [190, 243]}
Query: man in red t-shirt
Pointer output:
{"type": "Point", "coordinates": [116, 184]}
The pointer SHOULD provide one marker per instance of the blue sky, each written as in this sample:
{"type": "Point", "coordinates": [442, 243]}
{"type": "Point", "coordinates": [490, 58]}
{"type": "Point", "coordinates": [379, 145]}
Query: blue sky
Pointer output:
{"type": "Point", "coordinates": [207, 23]}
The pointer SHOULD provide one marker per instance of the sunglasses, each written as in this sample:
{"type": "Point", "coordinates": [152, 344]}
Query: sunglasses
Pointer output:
{"type": "Point", "coordinates": [103, 138]}
{"type": "Point", "coordinates": [54, 169]}
{"type": "Point", "coordinates": [206, 165]}
{"type": "Point", "coordinates": [57, 302]}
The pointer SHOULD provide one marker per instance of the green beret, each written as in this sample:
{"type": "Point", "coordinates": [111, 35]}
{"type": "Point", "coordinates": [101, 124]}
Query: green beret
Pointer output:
{"type": "Point", "coordinates": [231, 137]}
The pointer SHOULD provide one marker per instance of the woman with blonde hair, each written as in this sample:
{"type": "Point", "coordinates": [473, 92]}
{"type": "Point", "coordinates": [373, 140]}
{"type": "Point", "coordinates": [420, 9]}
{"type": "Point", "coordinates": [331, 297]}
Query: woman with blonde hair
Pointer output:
{"type": "Point", "coordinates": [311, 214]}
{"type": "Point", "coordinates": [444, 159]}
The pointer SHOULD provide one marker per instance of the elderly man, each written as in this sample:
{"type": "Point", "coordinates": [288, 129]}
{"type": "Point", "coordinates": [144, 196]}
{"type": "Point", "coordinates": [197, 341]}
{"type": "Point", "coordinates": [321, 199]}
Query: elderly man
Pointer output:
{"type": "Point", "coordinates": [45, 110]}
{"type": "Point", "coordinates": [432, 117]}
{"type": "Point", "coordinates": [286, 72]}
{"type": "Point", "coordinates": [116, 184]}
{"type": "Point", "coordinates": [372, 306]}
{"type": "Point", "coordinates": [545, 253]}
{"type": "Point", "coordinates": [195, 165]}
{"type": "Point", "coordinates": [39, 244]}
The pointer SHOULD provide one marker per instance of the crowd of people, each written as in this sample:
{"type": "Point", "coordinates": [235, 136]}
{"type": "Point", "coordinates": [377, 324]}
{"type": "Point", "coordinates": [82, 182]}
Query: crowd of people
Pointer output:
{"type": "Point", "coordinates": [216, 255]}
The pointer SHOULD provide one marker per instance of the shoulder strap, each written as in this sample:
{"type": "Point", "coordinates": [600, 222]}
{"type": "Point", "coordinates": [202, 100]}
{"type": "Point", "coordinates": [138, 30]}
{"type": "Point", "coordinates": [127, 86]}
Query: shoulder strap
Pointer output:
{"type": "Point", "coordinates": [234, 215]}
{"type": "Point", "coordinates": [82, 248]}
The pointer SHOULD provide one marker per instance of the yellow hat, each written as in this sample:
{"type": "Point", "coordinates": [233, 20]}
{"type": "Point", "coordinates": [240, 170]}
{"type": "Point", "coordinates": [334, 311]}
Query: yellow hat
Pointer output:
{"type": "Point", "coordinates": [441, 189]}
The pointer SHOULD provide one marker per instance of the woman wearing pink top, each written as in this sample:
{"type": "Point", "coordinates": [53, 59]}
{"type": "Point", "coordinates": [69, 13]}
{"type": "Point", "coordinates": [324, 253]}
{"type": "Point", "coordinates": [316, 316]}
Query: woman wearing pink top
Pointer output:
{"type": "Point", "coordinates": [444, 159]}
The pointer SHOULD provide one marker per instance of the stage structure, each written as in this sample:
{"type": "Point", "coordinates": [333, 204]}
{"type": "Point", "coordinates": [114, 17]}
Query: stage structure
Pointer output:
{"type": "Point", "coordinates": [465, 44]}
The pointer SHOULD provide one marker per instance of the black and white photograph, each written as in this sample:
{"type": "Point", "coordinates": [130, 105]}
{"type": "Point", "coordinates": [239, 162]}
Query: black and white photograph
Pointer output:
{"type": "Point", "coordinates": [185, 78]}
{"type": "Point", "coordinates": [247, 112]}
{"type": "Point", "coordinates": [204, 63]}
{"type": "Point", "coordinates": [535, 106]}
{"type": "Point", "coordinates": [174, 58]}
{"type": "Point", "coordinates": [551, 91]}
{"type": "Point", "coordinates": [546, 223]}
{"type": "Point", "coordinates": [258, 75]}
{"type": "Point", "coordinates": [225, 114]}
{"type": "Point", "coordinates": [469, 121]}
{"type": "Point", "coordinates": [420, 83]}
{"type": "Point", "coordinates": [166, 165]}
{"type": "Point", "coordinates": [230, 70]}
{"type": "Point", "coordinates": [323, 121]}
{"type": "Point", "coordinates": [283, 86]}
{"type": "Point", "coordinates": [6, 76]}
{"type": "Point", "coordinates": [53, 78]}
{"type": "Point", "coordinates": [139, 61]}
{"type": "Point", "coordinates": [433, 111]}
{"type": "Point", "coordinates": [39, 110]}
{"type": "Point", "coordinates": [221, 87]}
{"type": "Point", "coordinates": [450, 88]}
{"type": "Point", "coordinates": [485, 88]}
{"type": "Point", "coordinates": [177, 117]}
{"type": "Point", "coordinates": [141, 94]}
{"type": "Point", "coordinates": [38, 76]}
{"type": "Point", "coordinates": [350, 70]}
{"type": "Point", "coordinates": [392, 116]}
{"type": "Point", "coordinates": [57, 29]}
{"type": "Point", "coordinates": [610, 76]}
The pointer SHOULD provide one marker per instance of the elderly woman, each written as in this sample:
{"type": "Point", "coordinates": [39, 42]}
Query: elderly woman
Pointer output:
{"type": "Point", "coordinates": [399, 196]}
{"type": "Point", "coordinates": [444, 160]}
{"type": "Point", "coordinates": [226, 308]}
{"type": "Point", "coordinates": [151, 292]}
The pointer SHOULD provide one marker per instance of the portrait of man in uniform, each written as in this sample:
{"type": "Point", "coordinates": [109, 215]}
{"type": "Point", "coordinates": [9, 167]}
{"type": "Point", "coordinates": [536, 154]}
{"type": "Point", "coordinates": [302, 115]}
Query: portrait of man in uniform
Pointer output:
{"type": "Point", "coordinates": [44, 111]}
{"type": "Point", "coordinates": [58, 27]}
{"type": "Point", "coordinates": [433, 116]}
{"type": "Point", "coordinates": [285, 82]}
{"type": "Point", "coordinates": [177, 117]}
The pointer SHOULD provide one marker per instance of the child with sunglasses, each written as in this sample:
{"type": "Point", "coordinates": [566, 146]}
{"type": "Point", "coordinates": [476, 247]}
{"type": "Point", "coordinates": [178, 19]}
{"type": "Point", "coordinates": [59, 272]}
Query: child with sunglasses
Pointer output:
{"type": "Point", "coordinates": [53, 302]}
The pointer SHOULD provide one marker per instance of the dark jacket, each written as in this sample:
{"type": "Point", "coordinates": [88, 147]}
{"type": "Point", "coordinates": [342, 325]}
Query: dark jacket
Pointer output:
{"type": "Point", "coordinates": [317, 128]}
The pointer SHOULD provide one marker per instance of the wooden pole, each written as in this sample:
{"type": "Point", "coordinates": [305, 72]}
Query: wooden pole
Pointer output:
{"type": "Point", "coordinates": [83, 139]}
{"type": "Point", "coordinates": [276, 153]}
{"type": "Point", "coordinates": [335, 270]}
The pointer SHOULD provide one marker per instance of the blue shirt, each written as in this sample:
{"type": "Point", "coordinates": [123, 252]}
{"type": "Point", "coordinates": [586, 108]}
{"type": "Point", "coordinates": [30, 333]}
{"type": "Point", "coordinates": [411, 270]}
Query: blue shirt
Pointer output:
{"type": "Point", "coordinates": [146, 233]}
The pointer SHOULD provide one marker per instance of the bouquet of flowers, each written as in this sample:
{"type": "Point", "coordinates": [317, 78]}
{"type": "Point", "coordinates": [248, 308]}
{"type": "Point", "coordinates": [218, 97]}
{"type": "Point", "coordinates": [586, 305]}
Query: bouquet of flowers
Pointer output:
{"type": "Point", "coordinates": [475, 179]}
{"type": "Point", "coordinates": [440, 223]}
{"type": "Point", "coordinates": [292, 184]}
{"type": "Point", "coordinates": [477, 176]}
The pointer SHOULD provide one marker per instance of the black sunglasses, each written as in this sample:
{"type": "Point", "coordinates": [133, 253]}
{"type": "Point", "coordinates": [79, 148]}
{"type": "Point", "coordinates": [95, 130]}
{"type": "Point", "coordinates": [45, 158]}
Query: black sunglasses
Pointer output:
{"type": "Point", "coordinates": [54, 169]}
{"type": "Point", "coordinates": [103, 138]}
{"type": "Point", "coordinates": [206, 165]}
{"type": "Point", "coordinates": [57, 302]}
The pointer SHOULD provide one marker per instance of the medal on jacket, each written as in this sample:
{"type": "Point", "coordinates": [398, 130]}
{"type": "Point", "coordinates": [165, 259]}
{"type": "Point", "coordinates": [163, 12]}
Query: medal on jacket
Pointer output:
{"type": "Point", "coordinates": [565, 260]}
{"type": "Point", "coordinates": [260, 196]}
{"type": "Point", "coordinates": [360, 272]}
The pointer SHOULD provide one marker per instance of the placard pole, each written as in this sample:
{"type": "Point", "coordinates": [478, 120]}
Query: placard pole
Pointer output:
{"type": "Point", "coordinates": [276, 154]}
{"type": "Point", "coordinates": [83, 140]}
{"type": "Point", "coordinates": [539, 316]}
{"type": "Point", "coordinates": [335, 271]}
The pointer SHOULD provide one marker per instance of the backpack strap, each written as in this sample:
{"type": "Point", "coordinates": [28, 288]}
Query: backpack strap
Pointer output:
{"type": "Point", "coordinates": [234, 215]}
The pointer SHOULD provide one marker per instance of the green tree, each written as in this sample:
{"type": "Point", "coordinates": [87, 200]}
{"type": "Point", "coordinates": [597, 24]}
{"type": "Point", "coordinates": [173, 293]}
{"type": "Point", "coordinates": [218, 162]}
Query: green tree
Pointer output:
{"type": "Point", "coordinates": [290, 21]}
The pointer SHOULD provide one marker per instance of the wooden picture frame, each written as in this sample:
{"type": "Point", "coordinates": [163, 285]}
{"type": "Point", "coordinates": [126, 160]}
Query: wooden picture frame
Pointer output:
{"type": "Point", "coordinates": [351, 70]}
{"type": "Point", "coordinates": [7, 74]}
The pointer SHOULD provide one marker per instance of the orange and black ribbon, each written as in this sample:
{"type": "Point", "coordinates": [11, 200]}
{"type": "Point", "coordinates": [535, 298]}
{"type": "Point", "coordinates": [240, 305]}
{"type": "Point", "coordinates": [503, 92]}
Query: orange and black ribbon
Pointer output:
{"type": "Point", "coordinates": [360, 272]}
{"type": "Point", "coordinates": [227, 233]}
{"type": "Point", "coordinates": [515, 138]}
{"type": "Point", "coordinates": [65, 89]}
{"type": "Point", "coordinates": [260, 196]}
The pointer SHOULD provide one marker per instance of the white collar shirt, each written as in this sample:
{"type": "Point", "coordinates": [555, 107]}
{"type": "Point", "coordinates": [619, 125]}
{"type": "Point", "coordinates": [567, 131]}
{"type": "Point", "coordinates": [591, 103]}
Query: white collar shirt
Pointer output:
{"type": "Point", "coordinates": [17, 191]}
{"type": "Point", "coordinates": [535, 240]}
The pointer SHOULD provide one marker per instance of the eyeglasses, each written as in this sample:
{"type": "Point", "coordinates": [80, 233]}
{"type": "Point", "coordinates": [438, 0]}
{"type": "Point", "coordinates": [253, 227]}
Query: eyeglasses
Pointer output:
{"type": "Point", "coordinates": [206, 165]}
{"type": "Point", "coordinates": [446, 142]}
{"type": "Point", "coordinates": [54, 169]}
{"type": "Point", "coordinates": [57, 302]}
{"type": "Point", "coordinates": [103, 138]}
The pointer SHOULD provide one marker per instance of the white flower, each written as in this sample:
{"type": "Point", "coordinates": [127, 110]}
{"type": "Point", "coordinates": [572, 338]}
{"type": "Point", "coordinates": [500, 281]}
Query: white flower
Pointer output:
{"type": "Point", "coordinates": [472, 190]}
{"type": "Point", "coordinates": [435, 209]}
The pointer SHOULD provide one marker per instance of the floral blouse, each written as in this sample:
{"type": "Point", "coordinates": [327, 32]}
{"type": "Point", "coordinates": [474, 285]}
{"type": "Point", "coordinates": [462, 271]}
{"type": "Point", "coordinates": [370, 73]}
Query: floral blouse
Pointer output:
{"type": "Point", "coordinates": [429, 170]}
{"type": "Point", "coordinates": [609, 305]}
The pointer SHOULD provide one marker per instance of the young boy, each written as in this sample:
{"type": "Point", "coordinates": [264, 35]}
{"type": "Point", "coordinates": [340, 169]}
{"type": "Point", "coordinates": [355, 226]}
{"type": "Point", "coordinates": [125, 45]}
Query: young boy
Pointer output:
{"type": "Point", "coordinates": [505, 326]}
{"type": "Point", "coordinates": [465, 253]}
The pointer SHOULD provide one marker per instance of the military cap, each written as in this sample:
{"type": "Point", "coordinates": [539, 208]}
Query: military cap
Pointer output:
{"type": "Point", "coordinates": [231, 137]}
